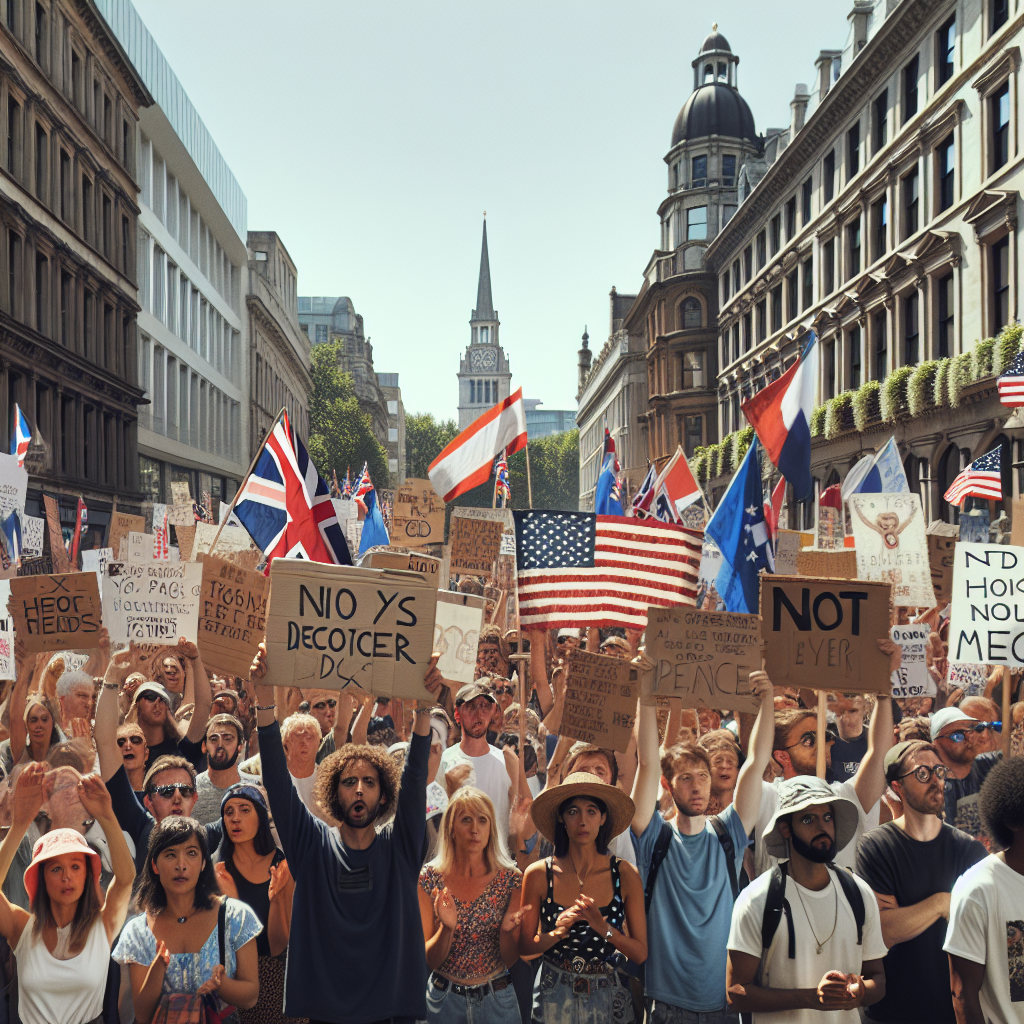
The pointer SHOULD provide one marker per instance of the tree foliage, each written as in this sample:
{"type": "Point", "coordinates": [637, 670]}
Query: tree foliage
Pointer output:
{"type": "Point", "coordinates": [340, 433]}
{"type": "Point", "coordinates": [425, 437]}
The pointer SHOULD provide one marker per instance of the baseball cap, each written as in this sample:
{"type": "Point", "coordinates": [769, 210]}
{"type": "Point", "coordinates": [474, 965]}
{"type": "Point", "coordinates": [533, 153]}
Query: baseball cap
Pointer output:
{"type": "Point", "coordinates": [477, 688]}
{"type": "Point", "coordinates": [894, 755]}
{"type": "Point", "coordinates": [947, 716]}
{"type": "Point", "coordinates": [160, 691]}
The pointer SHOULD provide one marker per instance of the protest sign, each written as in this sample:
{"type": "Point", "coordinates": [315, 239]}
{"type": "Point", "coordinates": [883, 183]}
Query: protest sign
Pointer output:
{"type": "Point", "coordinates": [600, 700]}
{"type": "Point", "coordinates": [704, 657]}
{"type": "Point", "coordinates": [336, 626]}
{"type": "Point", "coordinates": [787, 546]}
{"type": "Point", "coordinates": [32, 535]}
{"type": "Point", "coordinates": [399, 558]}
{"type": "Point", "coordinates": [232, 615]}
{"type": "Point", "coordinates": [152, 602]}
{"type": "Point", "coordinates": [912, 678]}
{"type": "Point", "coordinates": [57, 612]}
{"type": "Point", "coordinates": [1017, 523]}
{"type": "Point", "coordinates": [501, 608]}
{"type": "Point", "coordinates": [35, 566]}
{"type": "Point", "coordinates": [232, 538]}
{"type": "Point", "coordinates": [823, 633]}
{"type": "Point", "coordinates": [13, 485]}
{"type": "Point", "coordinates": [457, 625]}
{"type": "Point", "coordinates": [58, 552]}
{"type": "Point", "coordinates": [181, 515]}
{"type": "Point", "coordinates": [986, 624]}
{"type": "Point", "coordinates": [972, 679]}
{"type": "Point", "coordinates": [137, 547]}
{"type": "Point", "coordinates": [830, 528]}
{"type": "Point", "coordinates": [942, 538]}
{"type": "Point", "coordinates": [95, 559]}
{"type": "Point", "coordinates": [180, 493]}
{"type": "Point", "coordinates": [891, 545]}
{"type": "Point", "coordinates": [711, 560]}
{"type": "Point", "coordinates": [186, 536]}
{"type": "Point", "coordinates": [120, 526]}
{"type": "Point", "coordinates": [837, 565]}
{"type": "Point", "coordinates": [418, 515]}
{"type": "Point", "coordinates": [7, 667]}
{"type": "Point", "coordinates": [974, 526]}
{"type": "Point", "coordinates": [475, 545]}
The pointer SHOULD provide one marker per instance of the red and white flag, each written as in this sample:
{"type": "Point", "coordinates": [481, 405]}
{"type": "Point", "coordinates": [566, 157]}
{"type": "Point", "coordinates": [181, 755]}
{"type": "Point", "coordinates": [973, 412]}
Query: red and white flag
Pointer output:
{"type": "Point", "coordinates": [467, 461]}
{"type": "Point", "coordinates": [675, 489]}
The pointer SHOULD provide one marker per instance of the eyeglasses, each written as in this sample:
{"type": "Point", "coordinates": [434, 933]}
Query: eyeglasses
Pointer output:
{"type": "Point", "coordinates": [150, 695]}
{"type": "Point", "coordinates": [982, 726]}
{"type": "Point", "coordinates": [924, 772]}
{"type": "Point", "coordinates": [809, 739]}
{"type": "Point", "coordinates": [321, 704]}
{"type": "Point", "coordinates": [135, 741]}
{"type": "Point", "coordinates": [168, 791]}
{"type": "Point", "coordinates": [503, 689]}
{"type": "Point", "coordinates": [567, 639]}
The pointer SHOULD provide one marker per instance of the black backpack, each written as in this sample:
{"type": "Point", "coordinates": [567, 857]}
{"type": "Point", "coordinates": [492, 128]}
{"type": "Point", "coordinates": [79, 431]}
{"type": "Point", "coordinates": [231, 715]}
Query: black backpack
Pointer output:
{"type": "Point", "coordinates": [661, 849]}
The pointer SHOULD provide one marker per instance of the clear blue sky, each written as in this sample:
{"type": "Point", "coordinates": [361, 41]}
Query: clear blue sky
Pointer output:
{"type": "Point", "coordinates": [372, 136]}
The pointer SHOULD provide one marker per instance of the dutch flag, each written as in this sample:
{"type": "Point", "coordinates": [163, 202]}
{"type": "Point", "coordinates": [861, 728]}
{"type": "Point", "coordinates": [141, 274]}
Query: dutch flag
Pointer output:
{"type": "Point", "coordinates": [22, 435]}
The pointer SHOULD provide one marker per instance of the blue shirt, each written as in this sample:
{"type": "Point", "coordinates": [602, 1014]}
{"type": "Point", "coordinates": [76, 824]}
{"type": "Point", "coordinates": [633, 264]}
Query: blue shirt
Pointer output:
{"type": "Point", "coordinates": [691, 911]}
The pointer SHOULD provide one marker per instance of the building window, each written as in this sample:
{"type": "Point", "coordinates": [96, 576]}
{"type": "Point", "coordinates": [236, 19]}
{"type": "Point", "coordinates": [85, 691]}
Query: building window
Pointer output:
{"type": "Point", "coordinates": [776, 231]}
{"type": "Point", "coordinates": [852, 152]}
{"type": "Point", "coordinates": [1001, 283]}
{"type": "Point", "coordinates": [762, 320]}
{"type": "Point", "coordinates": [777, 308]}
{"type": "Point", "coordinates": [946, 316]}
{"type": "Point", "coordinates": [881, 119]}
{"type": "Point", "coordinates": [830, 266]}
{"type": "Point", "coordinates": [13, 271]}
{"type": "Point", "coordinates": [945, 51]}
{"type": "Point", "coordinates": [828, 175]}
{"type": "Point", "coordinates": [808, 273]}
{"type": "Point", "coordinates": [792, 295]}
{"type": "Point", "coordinates": [42, 148]}
{"type": "Point", "coordinates": [487, 392]}
{"type": "Point", "coordinates": [853, 248]}
{"type": "Point", "coordinates": [42, 274]}
{"type": "Point", "coordinates": [699, 168]}
{"type": "Point", "coordinates": [392, 435]}
{"type": "Point", "coordinates": [725, 288]}
{"type": "Point", "coordinates": [881, 342]}
{"type": "Point", "coordinates": [999, 105]}
{"type": "Point", "coordinates": [692, 313]}
{"type": "Point", "coordinates": [1000, 14]}
{"type": "Point", "coordinates": [791, 219]}
{"type": "Point", "coordinates": [748, 330]}
{"type": "Point", "coordinates": [762, 250]}
{"type": "Point", "coordinates": [910, 74]}
{"type": "Point", "coordinates": [735, 343]}
{"type": "Point", "coordinates": [87, 210]}
{"type": "Point", "coordinates": [830, 369]}
{"type": "Point", "coordinates": [321, 334]}
{"type": "Point", "coordinates": [748, 263]}
{"type": "Point", "coordinates": [472, 392]}
{"type": "Point", "coordinates": [696, 223]}
{"type": "Point", "coordinates": [13, 125]}
{"type": "Point", "coordinates": [805, 211]}
{"type": "Point", "coordinates": [693, 370]}
{"type": "Point", "coordinates": [729, 170]}
{"type": "Point", "coordinates": [735, 276]}
{"type": "Point", "coordinates": [65, 185]}
{"type": "Point", "coordinates": [853, 341]}
{"type": "Point", "coordinates": [694, 434]}
{"type": "Point", "coordinates": [880, 227]}
{"type": "Point", "coordinates": [911, 331]}
{"type": "Point", "coordinates": [946, 155]}
{"type": "Point", "coordinates": [909, 185]}
{"type": "Point", "coordinates": [66, 298]}
{"type": "Point", "coordinates": [40, 33]}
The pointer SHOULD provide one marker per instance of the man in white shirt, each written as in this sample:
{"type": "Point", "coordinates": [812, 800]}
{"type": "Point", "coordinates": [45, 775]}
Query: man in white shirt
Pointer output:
{"type": "Point", "coordinates": [300, 737]}
{"type": "Point", "coordinates": [985, 937]}
{"type": "Point", "coordinates": [825, 957]}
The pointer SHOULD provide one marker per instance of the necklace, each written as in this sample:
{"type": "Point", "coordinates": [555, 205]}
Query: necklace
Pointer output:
{"type": "Point", "coordinates": [577, 874]}
{"type": "Point", "coordinates": [182, 920]}
{"type": "Point", "coordinates": [835, 920]}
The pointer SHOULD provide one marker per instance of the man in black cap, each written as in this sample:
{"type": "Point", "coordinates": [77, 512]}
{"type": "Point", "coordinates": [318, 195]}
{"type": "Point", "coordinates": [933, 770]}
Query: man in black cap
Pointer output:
{"type": "Point", "coordinates": [911, 864]}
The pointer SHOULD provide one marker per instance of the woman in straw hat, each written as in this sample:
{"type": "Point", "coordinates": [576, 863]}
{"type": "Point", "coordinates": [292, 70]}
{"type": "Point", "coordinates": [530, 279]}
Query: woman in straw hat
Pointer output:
{"type": "Point", "coordinates": [63, 945]}
{"type": "Point", "coordinates": [584, 909]}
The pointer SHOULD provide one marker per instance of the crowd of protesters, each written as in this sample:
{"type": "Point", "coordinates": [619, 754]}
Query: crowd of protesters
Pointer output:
{"type": "Point", "coordinates": [184, 846]}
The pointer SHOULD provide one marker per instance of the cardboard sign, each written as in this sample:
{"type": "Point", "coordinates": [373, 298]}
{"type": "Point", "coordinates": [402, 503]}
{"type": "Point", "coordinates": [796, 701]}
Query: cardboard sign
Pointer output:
{"type": "Point", "coordinates": [181, 515]}
{"type": "Point", "coordinates": [13, 485]}
{"type": "Point", "coordinates": [95, 560]}
{"type": "Point", "coordinates": [418, 515]}
{"type": "Point", "coordinates": [57, 612]}
{"type": "Point", "coordinates": [822, 634]}
{"type": "Point", "coordinates": [457, 625]}
{"type": "Point", "coordinates": [412, 561]}
{"type": "Point", "coordinates": [475, 545]}
{"type": "Point", "coordinates": [152, 602]}
{"type": "Point", "coordinates": [830, 528]}
{"type": "Point", "coordinates": [972, 679]}
{"type": "Point", "coordinates": [600, 700]}
{"type": "Point", "coordinates": [787, 547]}
{"type": "Point", "coordinates": [186, 536]}
{"type": "Point", "coordinates": [232, 615]}
{"type": "Point", "coordinates": [120, 526]}
{"type": "Point", "coordinates": [232, 538]}
{"type": "Point", "coordinates": [1016, 523]}
{"type": "Point", "coordinates": [180, 493]}
{"type": "Point", "coordinates": [7, 666]}
{"type": "Point", "coordinates": [501, 579]}
{"type": "Point", "coordinates": [703, 657]}
{"type": "Point", "coordinates": [912, 678]}
{"type": "Point", "coordinates": [336, 626]}
{"type": "Point", "coordinates": [32, 535]}
{"type": "Point", "coordinates": [940, 563]}
{"type": "Point", "coordinates": [987, 612]}
{"type": "Point", "coordinates": [58, 552]}
{"type": "Point", "coordinates": [891, 545]}
{"type": "Point", "coordinates": [837, 565]}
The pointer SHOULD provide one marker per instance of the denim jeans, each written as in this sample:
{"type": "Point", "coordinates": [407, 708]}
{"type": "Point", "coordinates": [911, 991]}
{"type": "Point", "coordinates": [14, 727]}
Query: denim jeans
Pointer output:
{"type": "Point", "coordinates": [483, 1006]}
{"type": "Point", "coordinates": [659, 1012]}
{"type": "Point", "coordinates": [563, 997]}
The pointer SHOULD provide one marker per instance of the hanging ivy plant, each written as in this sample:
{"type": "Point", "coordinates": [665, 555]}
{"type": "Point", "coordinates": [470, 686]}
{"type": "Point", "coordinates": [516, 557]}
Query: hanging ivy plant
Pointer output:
{"type": "Point", "coordinates": [818, 421]}
{"type": "Point", "coordinates": [959, 377]}
{"type": "Point", "coordinates": [981, 359]}
{"type": "Point", "coordinates": [894, 393]}
{"type": "Point", "coordinates": [699, 462]}
{"type": "Point", "coordinates": [835, 410]}
{"type": "Point", "coordinates": [740, 443]}
{"type": "Point", "coordinates": [940, 384]}
{"type": "Point", "coordinates": [921, 387]}
{"type": "Point", "coordinates": [865, 404]}
{"type": "Point", "coordinates": [1007, 345]}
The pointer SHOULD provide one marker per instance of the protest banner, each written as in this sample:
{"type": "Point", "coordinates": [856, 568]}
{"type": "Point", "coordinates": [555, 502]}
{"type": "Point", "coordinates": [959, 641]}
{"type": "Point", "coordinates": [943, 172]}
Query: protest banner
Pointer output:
{"type": "Point", "coordinates": [600, 700]}
{"type": "Point", "coordinates": [418, 515]}
{"type": "Point", "coordinates": [942, 538]}
{"type": "Point", "coordinates": [787, 546]}
{"type": "Point", "coordinates": [32, 536]}
{"type": "Point", "coordinates": [912, 678]}
{"type": "Point", "coordinates": [823, 633]}
{"type": "Point", "coordinates": [58, 551]}
{"type": "Point", "coordinates": [337, 626]}
{"type": "Point", "coordinates": [891, 545]}
{"type": "Point", "coordinates": [475, 546]}
{"type": "Point", "coordinates": [181, 515]}
{"type": "Point", "coordinates": [120, 526]}
{"type": "Point", "coordinates": [457, 625]}
{"type": "Point", "coordinates": [840, 564]}
{"type": "Point", "coordinates": [7, 666]}
{"type": "Point", "coordinates": [232, 615]}
{"type": "Point", "coordinates": [501, 610]}
{"type": "Point", "coordinates": [137, 547]}
{"type": "Point", "coordinates": [152, 602]}
{"type": "Point", "coordinates": [986, 624]}
{"type": "Point", "coordinates": [57, 612]}
{"type": "Point", "coordinates": [704, 657]}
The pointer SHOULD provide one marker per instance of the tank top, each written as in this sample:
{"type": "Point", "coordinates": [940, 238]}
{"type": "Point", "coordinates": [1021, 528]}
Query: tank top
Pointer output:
{"type": "Point", "coordinates": [582, 942]}
{"type": "Point", "coordinates": [257, 895]}
{"type": "Point", "coordinates": [56, 991]}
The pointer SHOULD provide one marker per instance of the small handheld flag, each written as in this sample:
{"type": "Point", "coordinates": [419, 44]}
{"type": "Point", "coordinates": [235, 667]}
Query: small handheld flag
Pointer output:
{"type": "Point", "coordinates": [22, 435]}
{"type": "Point", "coordinates": [983, 478]}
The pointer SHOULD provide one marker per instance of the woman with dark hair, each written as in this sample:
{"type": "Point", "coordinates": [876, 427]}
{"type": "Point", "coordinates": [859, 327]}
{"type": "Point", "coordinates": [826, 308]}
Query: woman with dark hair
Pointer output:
{"type": "Point", "coordinates": [252, 869]}
{"type": "Point", "coordinates": [173, 948]}
{"type": "Point", "coordinates": [63, 945]}
{"type": "Point", "coordinates": [583, 907]}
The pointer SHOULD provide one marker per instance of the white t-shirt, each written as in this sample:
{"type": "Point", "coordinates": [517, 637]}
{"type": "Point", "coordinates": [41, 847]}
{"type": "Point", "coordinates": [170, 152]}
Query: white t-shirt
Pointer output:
{"type": "Point", "coordinates": [304, 787]}
{"type": "Point", "coordinates": [839, 953]}
{"type": "Point", "coordinates": [986, 926]}
{"type": "Point", "coordinates": [845, 858]}
{"type": "Point", "coordinates": [489, 775]}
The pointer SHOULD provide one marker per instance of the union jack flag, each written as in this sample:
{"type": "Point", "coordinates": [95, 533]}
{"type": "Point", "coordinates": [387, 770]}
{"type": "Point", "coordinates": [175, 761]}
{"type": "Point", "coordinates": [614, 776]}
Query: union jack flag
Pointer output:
{"type": "Point", "coordinates": [645, 495]}
{"type": "Point", "coordinates": [363, 484]}
{"type": "Point", "coordinates": [346, 490]}
{"type": "Point", "coordinates": [502, 488]}
{"type": "Point", "coordinates": [285, 504]}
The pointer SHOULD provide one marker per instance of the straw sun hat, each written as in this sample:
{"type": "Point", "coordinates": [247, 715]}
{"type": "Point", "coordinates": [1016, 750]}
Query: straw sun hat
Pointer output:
{"type": "Point", "coordinates": [545, 807]}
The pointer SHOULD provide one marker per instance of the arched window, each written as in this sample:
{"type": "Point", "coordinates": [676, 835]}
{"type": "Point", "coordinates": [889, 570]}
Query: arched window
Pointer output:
{"type": "Point", "coordinates": [693, 315]}
{"type": "Point", "coordinates": [949, 467]}
{"type": "Point", "coordinates": [484, 331]}
{"type": "Point", "coordinates": [722, 72]}
{"type": "Point", "coordinates": [709, 73]}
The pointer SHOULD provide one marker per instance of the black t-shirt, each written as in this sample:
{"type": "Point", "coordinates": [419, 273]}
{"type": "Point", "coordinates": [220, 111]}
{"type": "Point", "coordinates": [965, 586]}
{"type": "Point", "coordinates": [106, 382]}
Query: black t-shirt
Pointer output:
{"type": "Point", "coordinates": [916, 971]}
{"type": "Point", "coordinates": [182, 748]}
{"type": "Point", "coordinates": [962, 795]}
{"type": "Point", "coordinates": [847, 756]}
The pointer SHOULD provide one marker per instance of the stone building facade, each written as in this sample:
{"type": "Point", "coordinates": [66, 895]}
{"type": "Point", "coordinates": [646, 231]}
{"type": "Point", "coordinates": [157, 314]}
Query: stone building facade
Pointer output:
{"type": "Point", "coordinates": [395, 443]}
{"type": "Point", "coordinates": [278, 347]}
{"type": "Point", "coordinates": [886, 216]}
{"type": "Point", "coordinates": [70, 102]}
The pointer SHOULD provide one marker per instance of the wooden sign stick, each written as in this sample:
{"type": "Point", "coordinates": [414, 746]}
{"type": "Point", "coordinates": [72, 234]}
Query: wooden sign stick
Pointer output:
{"type": "Point", "coordinates": [819, 768]}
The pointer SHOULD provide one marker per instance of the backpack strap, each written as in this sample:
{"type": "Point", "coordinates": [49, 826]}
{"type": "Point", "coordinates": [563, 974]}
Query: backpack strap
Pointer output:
{"type": "Point", "coordinates": [729, 850]}
{"type": "Point", "coordinates": [657, 856]}
{"type": "Point", "coordinates": [221, 916]}
{"type": "Point", "coordinates": [775, 906]}
{"type": "Point", "coordinates": [851, 890]}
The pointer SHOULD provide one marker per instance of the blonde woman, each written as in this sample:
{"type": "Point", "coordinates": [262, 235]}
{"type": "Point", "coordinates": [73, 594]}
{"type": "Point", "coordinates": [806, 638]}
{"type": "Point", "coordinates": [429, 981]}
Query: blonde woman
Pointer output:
{"type": "Point", "coordinates": [468, 906]}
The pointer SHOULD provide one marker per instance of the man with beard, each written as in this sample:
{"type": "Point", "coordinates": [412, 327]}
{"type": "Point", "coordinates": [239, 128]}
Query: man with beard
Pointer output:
{"type": "Point", "coordinates": [492, 653]}
{"type": "Point", "coordinates": [960, 746]}
{"type": "Point", "coordinates": [323, 706]}
{"type": "Point", "coordinates": [222, 746]}
{"type": "Point", "coordinates": [694, 879]}
{"type": "Point", "coordinates": [820, 965]}
{"type": "Point", "coordinates": [356, 948]}
{"type": "Point", "coordinates": [911, 864]}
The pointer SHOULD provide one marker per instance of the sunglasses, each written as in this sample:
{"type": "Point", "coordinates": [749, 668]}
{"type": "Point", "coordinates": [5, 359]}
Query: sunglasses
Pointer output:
{"type": "Point", "coordinates": [567, 639]}
{"type": "Point", "coordinates": [135, 741]}
{"type": "Point", "coordinates": [150, 696]}
{"type": "Point", "coordinates": [321, 704]}
{"type": "Point", "coordinates": [503, 689]}
{"type": "Point", "coordinates": [983, 726]}
{"type": "Point", "coordinates": [924, 772]}
{"type": "Point", "coordinates": [168, 791]}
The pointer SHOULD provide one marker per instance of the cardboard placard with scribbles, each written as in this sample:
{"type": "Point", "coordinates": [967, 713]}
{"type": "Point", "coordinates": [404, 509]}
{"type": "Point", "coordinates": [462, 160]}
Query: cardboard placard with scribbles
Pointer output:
{"type": "Point", "coordinates": [457, 625]}
{"type": "Point", "coordinates": [891, 545]}
{"type": "Point", "coordinates": [418, 514]}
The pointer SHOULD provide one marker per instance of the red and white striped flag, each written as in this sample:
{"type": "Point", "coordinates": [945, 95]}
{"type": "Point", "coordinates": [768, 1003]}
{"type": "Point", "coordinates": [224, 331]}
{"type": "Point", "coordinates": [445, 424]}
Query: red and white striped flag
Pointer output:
{"type": "Point", "coordinates": [983, 478]}
{"type": "Point", "coordinates": [161, 543]}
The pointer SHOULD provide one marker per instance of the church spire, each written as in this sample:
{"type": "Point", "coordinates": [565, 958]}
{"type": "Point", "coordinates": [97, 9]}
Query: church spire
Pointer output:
{"type": "Point", "coordinates": [484, 308]}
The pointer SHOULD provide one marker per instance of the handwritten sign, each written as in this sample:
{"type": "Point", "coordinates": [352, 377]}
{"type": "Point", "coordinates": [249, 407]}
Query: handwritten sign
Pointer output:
{"type": "Point", "coordinates": [987, 615]}
{"type": "Point", "coordinates": [57, 612]}
{"type": "Point", "coordinates": [152, 602]}
{"type": "Point", "coordinates": [120, 526]}
{"type": "Point", "coordinates": [336, 626]}
{"type": "Point", "coordinates": [704, 657]}
{"type": "Point", "coordinates": [32, 535]}
{"type": "Point", "coordinates": [232, 538]}
{"type": "Point", "coordinates": [830, 527]}
{"type": "Point", "coordinates": [787, 546]}
{"type": "Point", "coordinates": [58, 552]}
{"type": "Point", "coordinates": [822, 633]}
{"type": "Point", "coordinates": [891, 545]}
{"type": "Point", "coordinates": [600, 700]}
{"type": "Point", "coordinates": [7, 666]}
{"type": "Point", "coordinates": [180, 493]}
{"type": "Point", "coordinates": [457, 625]}
{"type": "Point", "coordinates": [972, 679]}
{"type": "Point", "coordinates": [95, 560]}
{"type": "Point", "coordinates": [501, 609]}
{"type": "Point", "coordinates": [476, 544]}
{"type": "Point", "coordinates": [13, 485]}
{"type": "Point", "coordinates": [418, 515]}
{"type": "Point", "coordinates": [912, 678]}
{"type": "Point", "coordinates": [838, 565]}
{"type": "Point", "coordinates": [398, 558]}
{"type": "Point", "coordinates": [186, 536]}
{"type": "Point", "coordinates": [941, 546]}
{"type": "Point", "coordinates": [181, 515]}
{"type": "Point", "coordinates": [232, 615]}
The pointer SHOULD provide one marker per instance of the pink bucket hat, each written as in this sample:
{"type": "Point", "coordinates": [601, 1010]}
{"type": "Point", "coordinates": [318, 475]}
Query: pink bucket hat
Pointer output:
{"type": "Point", "coordinates": [53, 844]}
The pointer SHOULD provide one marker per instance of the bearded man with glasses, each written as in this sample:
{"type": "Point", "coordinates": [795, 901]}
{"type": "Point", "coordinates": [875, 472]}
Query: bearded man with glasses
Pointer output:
{"type": "Point", "coordinates": [911, 865]}
{"type": "Point", "coordinates": [962, 742]}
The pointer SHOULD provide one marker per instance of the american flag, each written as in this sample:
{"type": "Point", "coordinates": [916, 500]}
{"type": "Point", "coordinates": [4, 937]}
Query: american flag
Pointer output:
{"type": "Point", "coordinates": [502, 489]}
{"type": "Point", "coordinates": [161, 545]}
{"type": "Point", "coordinates": [983, 478]}
{"type": "Point", "coordinates": [1011, 382]}
{"type": "Point", "coordinates": [582, 569]}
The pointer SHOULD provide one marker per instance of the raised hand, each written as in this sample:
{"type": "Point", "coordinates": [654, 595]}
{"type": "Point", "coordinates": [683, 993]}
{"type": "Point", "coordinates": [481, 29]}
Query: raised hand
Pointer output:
{"type": "Point", "coordinates": [216, 977]}
{"type": "Point", "coordinates": [514, 918]}
{"type": "Point", "coordinates": [280, 880]}
{"type": "Point", "coordinates": [258, 668]}
{"type": "Point", "coordinates": [81, 729]}
{"type": "Point", "coordinates": [455, 778]}
{"type": "Point", "coordinates": [225, 881]}
{"type": "Point", "coordinates": [761, 685]}
{"type": "Point", "coordinates": [188, 650]}
{"type": "Point", "coordinates": [444, 908]}
{"type": "Point", "coordinates": [519, 819]}
{"type": "Point", "coordinates": [95, 798]}
{"type": "Point", "coordinates": [894, 650]}
{"type": "Point", "coordinates": [29, 793]}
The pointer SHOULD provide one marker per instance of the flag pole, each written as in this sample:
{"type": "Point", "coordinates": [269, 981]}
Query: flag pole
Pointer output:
{"type": "Point", "coordinates": [529, 485]}
{"type": "Point", "coordinates": [248, 473]}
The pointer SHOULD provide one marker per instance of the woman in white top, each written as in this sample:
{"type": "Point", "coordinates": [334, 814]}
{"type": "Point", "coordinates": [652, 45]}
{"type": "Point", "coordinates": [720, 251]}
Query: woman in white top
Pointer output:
{"type": "Point", "coordinates": [63, 945]}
